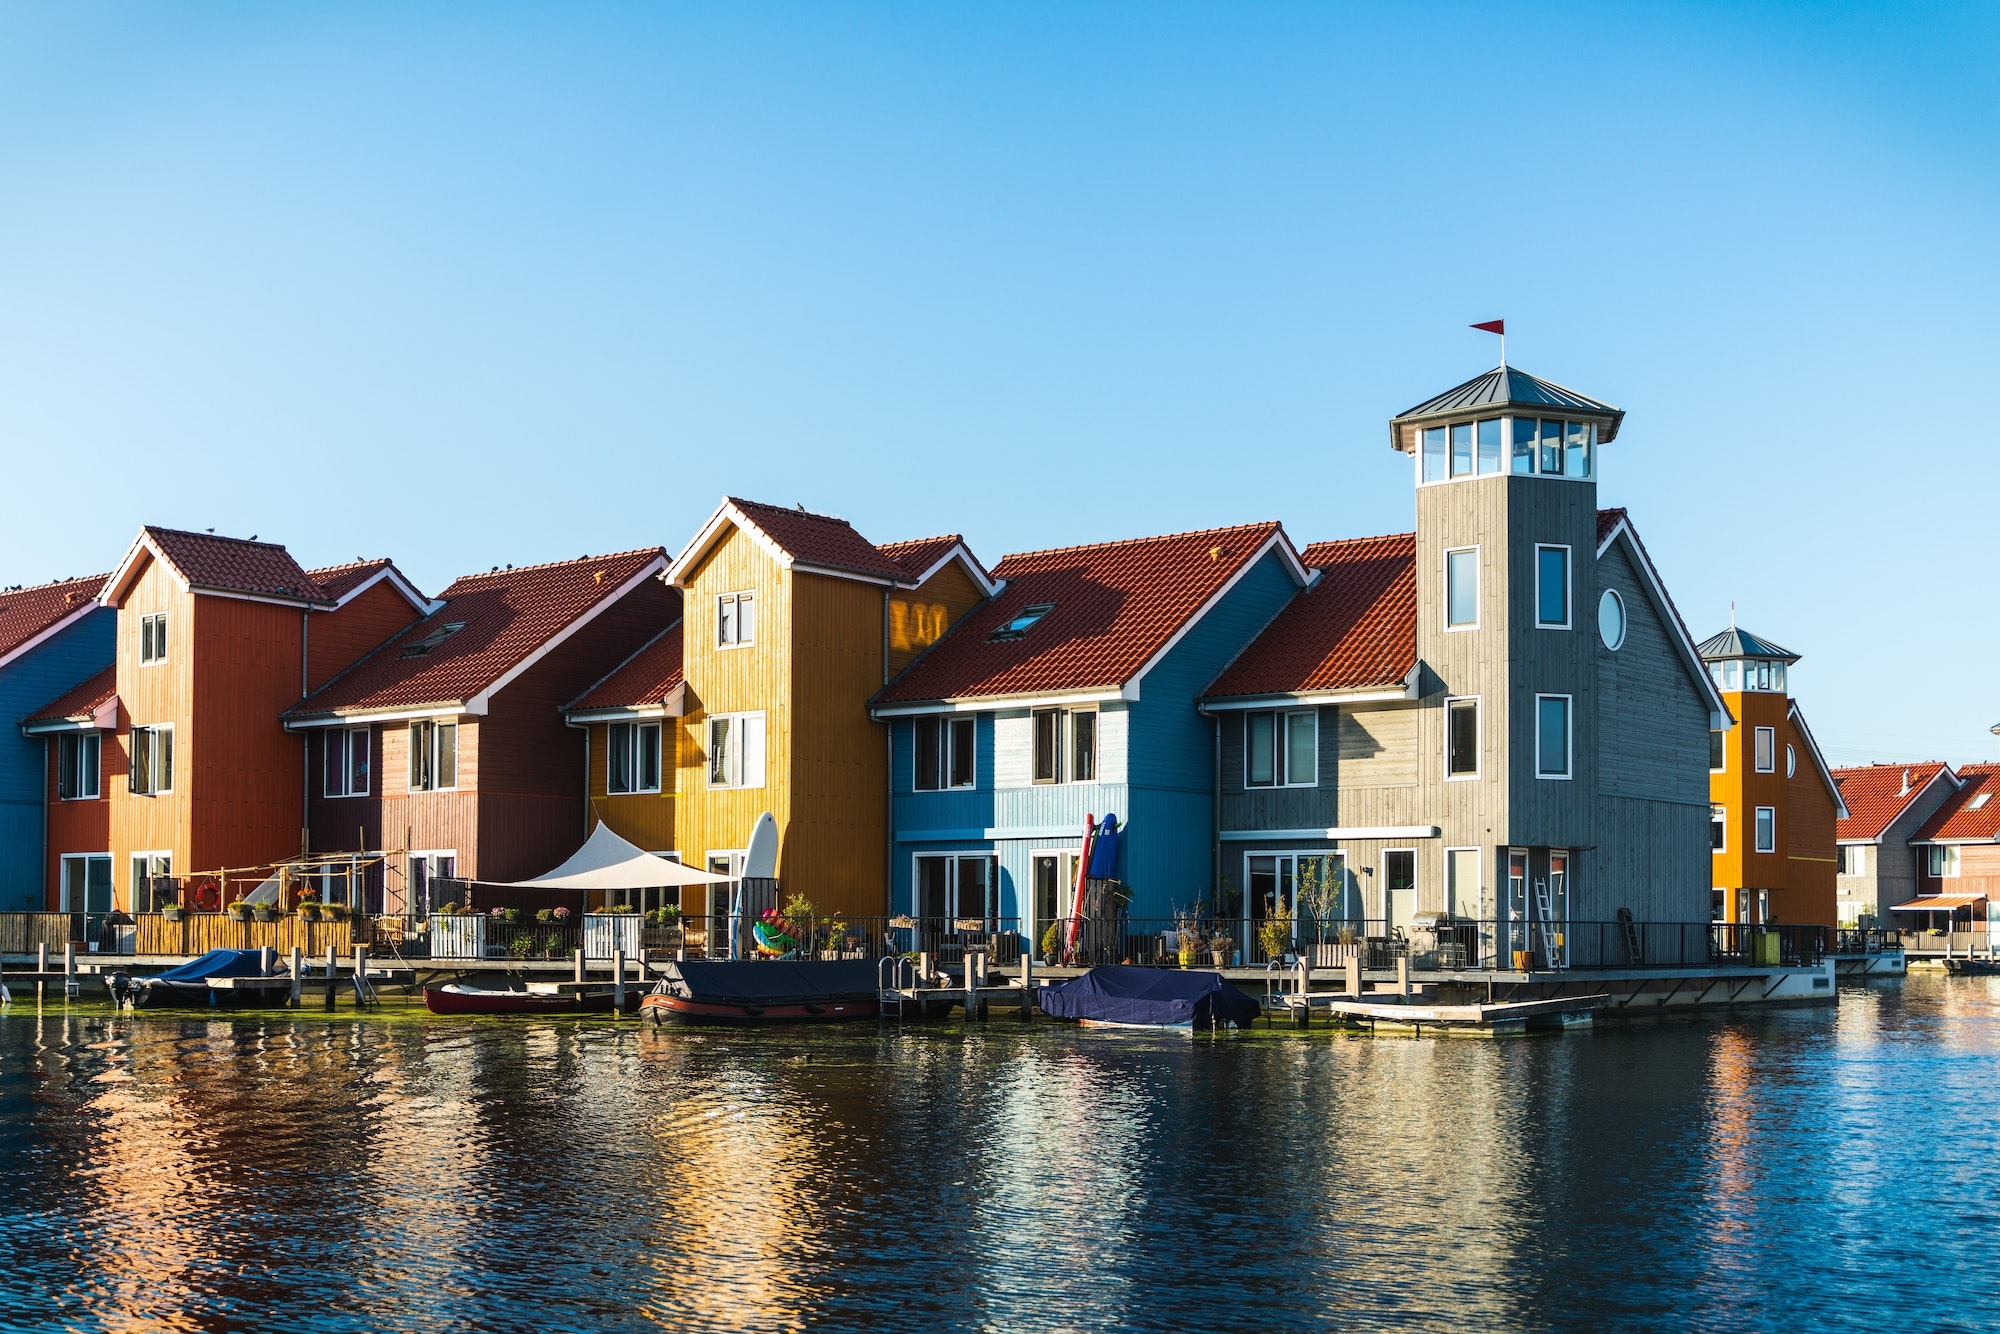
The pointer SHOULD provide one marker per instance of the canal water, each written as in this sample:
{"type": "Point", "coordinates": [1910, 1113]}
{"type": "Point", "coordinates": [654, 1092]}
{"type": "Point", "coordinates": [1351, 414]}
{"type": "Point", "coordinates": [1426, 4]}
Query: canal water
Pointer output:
{"type": "Point", "coordinates": [1831, 1168]}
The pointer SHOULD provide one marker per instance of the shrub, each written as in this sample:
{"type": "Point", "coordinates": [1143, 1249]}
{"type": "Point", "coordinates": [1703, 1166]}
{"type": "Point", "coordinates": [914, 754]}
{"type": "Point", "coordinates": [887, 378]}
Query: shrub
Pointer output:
{"type": "Point", "coordinates": [1051, 941]}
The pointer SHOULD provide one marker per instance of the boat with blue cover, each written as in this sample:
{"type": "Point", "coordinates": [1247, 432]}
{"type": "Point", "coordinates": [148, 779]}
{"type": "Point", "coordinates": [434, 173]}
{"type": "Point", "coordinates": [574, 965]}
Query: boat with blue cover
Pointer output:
{"type": "Point", "coordinates": [1120, 996]}
{"type": "Point", "coordinates": [189, 983]}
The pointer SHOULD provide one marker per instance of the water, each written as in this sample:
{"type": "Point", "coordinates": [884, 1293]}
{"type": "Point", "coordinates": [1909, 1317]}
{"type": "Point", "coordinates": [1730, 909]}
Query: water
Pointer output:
{"type": "Point", "coordinates": [1831, 1168]}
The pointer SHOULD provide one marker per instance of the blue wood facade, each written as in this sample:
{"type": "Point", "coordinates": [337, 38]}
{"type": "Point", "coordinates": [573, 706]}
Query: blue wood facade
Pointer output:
{"type": "Point", "coordinates": [27, 683]}
{"type": "Point", "coordinates": [1155, 771]}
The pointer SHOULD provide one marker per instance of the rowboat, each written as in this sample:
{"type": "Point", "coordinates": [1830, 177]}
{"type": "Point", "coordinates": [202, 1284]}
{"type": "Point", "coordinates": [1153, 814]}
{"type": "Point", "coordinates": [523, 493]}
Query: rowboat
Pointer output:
{"type": "Point", "coordinates": [764, 992]}
{"type": "Point", "coordinates": [456, 998]}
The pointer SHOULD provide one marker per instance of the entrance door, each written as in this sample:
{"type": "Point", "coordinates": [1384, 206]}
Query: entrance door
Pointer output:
{"type": "Point", "coordinates": [1558, 932]}
{"type": "Point", "coordinates": [1514, 930]}
{"type": "Point", "coordinates": [724, 908]}
{"type": "Point", "coordinates": [86, 882]}
{"type": "Point", "coordinates": [957, 901]}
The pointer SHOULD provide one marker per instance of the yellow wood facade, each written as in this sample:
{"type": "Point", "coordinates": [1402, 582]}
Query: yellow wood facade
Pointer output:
{"type": "Point", "coordinates": [642, 818]}
{"type": "Point", "coordinates": [1793, 883]}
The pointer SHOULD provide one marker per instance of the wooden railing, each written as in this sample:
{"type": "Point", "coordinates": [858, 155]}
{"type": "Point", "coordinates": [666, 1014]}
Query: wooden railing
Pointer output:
{"type": "Point", "coordinates": [198, 933]}
{"type": "Point", "coordinates": [21, 932]}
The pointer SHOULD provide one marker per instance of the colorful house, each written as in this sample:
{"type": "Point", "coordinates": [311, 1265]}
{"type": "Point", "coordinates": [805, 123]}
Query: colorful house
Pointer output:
{"type": "Point", "coordinates": [79, 731]}
{"type": "Point", "coordinates": [1071, 694]}
{"type": "Point", "coordinates": [215, 636]}
{"type": "Point", "coordinates": [52, 636]}
{"type": "Point", "coordinates": [1499, 717]}
{"type": "Point", "coordinates": [794, 620]}
{"type": "Point", "coordinates": [446, 748]}
{"type": "Point", "coordinates": [1774, 804]}
{"type": "Point", "coordinates": [1958, 849]}
{"type": "Point", "coordinates": [1877, 865]}
{"type": "Point", "coordinates": [628, 722]}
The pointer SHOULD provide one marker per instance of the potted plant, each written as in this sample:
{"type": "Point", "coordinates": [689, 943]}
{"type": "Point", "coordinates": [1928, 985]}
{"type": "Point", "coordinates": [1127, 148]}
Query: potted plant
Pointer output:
{"type": "Point", "coordinates": [1273, 936]}
{"type": "Point", "coordinates": [545, 916]}
{"type": "Point", "coordinates": [1220, 947]}
{"type": "Point", "coordinates": [447, 909]}
{"type": "Point", "coordinates": [239, 910]}
{"type": "Point", "coordinates": [521, 947]}
{"type": "Point", "coordinates": [173, 912]}
{"type": "Point", "coordinates": [1051, 943]}
{"type": "Point", "coordinates": [310, 909]}
{"type": "Point", "coordinates": [332, 912]}
{"type": "Point", "coordinates": [266, 912]}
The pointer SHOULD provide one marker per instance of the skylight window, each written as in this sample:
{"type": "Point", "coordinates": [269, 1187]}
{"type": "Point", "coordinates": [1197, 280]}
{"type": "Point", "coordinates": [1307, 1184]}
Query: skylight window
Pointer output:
{"type": "Point", "coordinates": [1024, 620]}
{"type": "Point", "coordinates": [1980, 800]}
{"type": "Point", "coordinates": [433, 639]}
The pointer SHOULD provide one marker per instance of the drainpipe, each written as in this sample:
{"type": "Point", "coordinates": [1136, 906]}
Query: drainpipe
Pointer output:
{"type": "Point", "coordinates": [305, 738]}
{"type": "Point", "coordinates": [48, 765]}
{"type": "Point", "coordinates": [1215, 872]}
{"type": "Point", "coordinates": [586, 777]}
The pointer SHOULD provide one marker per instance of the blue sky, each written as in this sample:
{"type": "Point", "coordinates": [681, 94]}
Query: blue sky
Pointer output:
{"type": "Point", "coordinates": [471, 285]}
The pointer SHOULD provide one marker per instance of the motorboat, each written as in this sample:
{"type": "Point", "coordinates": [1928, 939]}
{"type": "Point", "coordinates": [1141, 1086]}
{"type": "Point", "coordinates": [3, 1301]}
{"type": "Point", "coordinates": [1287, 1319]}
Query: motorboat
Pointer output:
{"type": "Point", "coordinates": [189, 984]}
{"type": "Point", "coordinates": [1171, 999]}
{"type": "Point", "coordinates": [535, 998]}
{"type": "Point", "coordinates": [764, 991]}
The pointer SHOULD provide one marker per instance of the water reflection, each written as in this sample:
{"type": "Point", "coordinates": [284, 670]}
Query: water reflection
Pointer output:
{"type": "Point", "coordinates": [1782, 1169]}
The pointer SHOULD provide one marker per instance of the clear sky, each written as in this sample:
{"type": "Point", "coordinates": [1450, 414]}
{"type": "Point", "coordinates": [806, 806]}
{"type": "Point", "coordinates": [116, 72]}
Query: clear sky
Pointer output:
{"type": "Point", "coordinates": [471, 285]}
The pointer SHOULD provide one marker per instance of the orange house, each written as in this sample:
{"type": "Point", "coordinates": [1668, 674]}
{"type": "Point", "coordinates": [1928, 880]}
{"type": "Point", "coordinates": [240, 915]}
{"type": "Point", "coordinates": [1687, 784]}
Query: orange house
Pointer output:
{"type": "Point", "coordinates": [217, 636]}
{"type": "Point", "coordinates": [1774, 805]}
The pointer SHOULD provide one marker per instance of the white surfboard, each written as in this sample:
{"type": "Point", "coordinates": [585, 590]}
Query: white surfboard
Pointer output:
{"type": "Point", "coordinates": [760, 854]}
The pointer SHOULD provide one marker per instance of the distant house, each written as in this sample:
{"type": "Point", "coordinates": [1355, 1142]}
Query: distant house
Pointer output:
{"type": "Point", "coordinates": [78, 730]}
{"type": "Point", "coordinates": [1877, 865]}
{"type": "Point", "coordinates": [1498, 717]}
{"type": "Point", "coordinates": [1776, 805]}
{"type": "Point", "coordinates": [52, 636]}
{"type": "Point", "coordinates": [794, 620]}
{"type": "Point", "coordinates": [446, 745]}
{"type": "Point", "coordinates": [1958, 850]}
{"type": "Point", "coordinates": [1071, 694]}
{"type": "Point", "coordinates": [629, 722]}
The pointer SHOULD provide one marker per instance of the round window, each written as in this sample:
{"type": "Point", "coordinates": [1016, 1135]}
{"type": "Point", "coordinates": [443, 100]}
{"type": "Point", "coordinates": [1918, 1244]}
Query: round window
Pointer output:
{"type": "Point", "coordinates": [1611, 619]}
{"type": "Point", "coordinates": [1791, 762]}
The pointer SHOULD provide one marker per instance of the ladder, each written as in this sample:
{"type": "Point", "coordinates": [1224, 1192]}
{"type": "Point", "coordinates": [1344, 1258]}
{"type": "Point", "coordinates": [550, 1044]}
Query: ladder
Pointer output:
{"type": "Point", "coordinates": [1544, 909]}
{"type": "Point", "coordinates": [1633, 954]}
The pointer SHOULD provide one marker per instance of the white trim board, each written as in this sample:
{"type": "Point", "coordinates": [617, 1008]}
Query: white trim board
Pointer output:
{"type": "Point", "coordinates": [48, 632]}
{"type": "Point", "coordinates": [1338, 832]}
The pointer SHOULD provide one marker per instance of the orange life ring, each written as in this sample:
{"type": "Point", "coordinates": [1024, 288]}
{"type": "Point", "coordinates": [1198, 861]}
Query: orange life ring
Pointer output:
{"type": "Point", "coordinates": [207, 898]}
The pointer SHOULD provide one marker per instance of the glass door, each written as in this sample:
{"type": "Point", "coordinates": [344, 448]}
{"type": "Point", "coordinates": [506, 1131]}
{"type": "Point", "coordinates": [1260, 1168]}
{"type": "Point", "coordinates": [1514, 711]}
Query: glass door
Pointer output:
{"type": "Point", "coordinates": [1514, 926]}
{"type": "Point", "coordinates": [1558, 932]}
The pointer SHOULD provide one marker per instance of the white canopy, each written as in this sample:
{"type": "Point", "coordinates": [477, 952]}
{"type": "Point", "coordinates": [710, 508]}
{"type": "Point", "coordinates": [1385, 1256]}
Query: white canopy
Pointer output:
{"type": "Point", "coordinates": [606, 861]}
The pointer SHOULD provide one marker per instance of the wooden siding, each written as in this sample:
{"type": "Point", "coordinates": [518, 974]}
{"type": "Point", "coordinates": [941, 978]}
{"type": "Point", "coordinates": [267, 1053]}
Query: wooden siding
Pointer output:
{"type": "Point", "coordinates": [918, 618]}
{"type": "Point", "coordinates": [1890, 877]}
{"type": "Point", "coordinates": [26, 685]}
{"type": "Point", "coordinates": [78, 826]}
{"type": "Point", "coordinates": [159, 693]}
{"type": "Point", "coordinates": [1739, 789]}
{"type": "Point", "coordinates": [247, 774]}
{"type": "Point", "coordinates": [428, 821]}
{"type": "Point", "coordinates": [1978, 873]}
{"type": "Point", "coordinates": [834, 847]}
{"type": "Point", "coordinates": [643, 818]}
{"type": "Point", "coordinates": [1374, 745]}
{"type": "Point", "coordinates": [350, 824]}
{"type": "Point", "coordinates": [336, 639]}
{"type": "Point", "coordinates": [1811, 819]}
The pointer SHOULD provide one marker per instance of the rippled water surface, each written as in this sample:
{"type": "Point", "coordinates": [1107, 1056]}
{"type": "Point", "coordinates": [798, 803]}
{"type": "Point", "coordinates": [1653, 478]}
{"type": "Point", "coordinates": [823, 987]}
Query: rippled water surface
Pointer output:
{"type": "Point", "coordinates": [1833, 1167]}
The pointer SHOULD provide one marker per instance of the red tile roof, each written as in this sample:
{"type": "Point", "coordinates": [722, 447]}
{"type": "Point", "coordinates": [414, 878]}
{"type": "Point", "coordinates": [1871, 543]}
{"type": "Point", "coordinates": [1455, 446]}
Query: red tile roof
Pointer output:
{"type": "Point", "coordinates": [645, 678]}
{"type": "Point", "coordinates": [27, 612]}
{"type": "Point", "coordinates": [1963, 815]}
{"type": "Point", "coordinates": [1355, 627]}
{"type": "Point", "coordinates": [1606, 521]}
{"type": "Point", "coordinates": [1877, 794]}
{"type": "Point", "coordinates": [919, 553]}
{"type": "Point", "coordinates": [819, 539]}
{"type": "Point", "coordinates": [340, 580]}
{"type": "Point", "coordinates": [81, 701]}
{"type": "Point", "coordinates": [234, 565]}
{"type": "Point", "coordinates": [1116, 604]}
{"type": "Point", "coordinates": [502, 616]}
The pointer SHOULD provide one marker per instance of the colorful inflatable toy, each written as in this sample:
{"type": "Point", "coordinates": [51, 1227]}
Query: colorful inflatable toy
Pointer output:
{"type": "Point", "coordinates": [773, 933]}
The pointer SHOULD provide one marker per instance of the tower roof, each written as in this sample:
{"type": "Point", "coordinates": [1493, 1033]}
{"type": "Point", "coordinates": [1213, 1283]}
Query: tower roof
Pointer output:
{"type": "Point", "coordinates": [1735, 643]}
{"type": "Point", "coordinates": [1503, 387]}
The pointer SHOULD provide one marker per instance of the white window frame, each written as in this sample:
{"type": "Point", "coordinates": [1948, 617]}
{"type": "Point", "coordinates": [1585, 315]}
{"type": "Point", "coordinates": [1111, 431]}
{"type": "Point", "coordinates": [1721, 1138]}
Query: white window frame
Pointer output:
{"type": "Point", "coordinates": [1031, 913]}
{"type": "Point", "coordinates": [1569, 738]}
{"type": "Point", "coordinates": [635, 780]}
{"type": "Point", "coordinates": [88, 738]}
{"type": "Point", "coordinates": [1057, 744]}
{"type": "Point", "coordinates": [1941, 861]}
{"type": "Point", "coordinates": [736, 601]}
{"type": "Point", "coordinates": [1718, 818]}
{"type": "Point", "coordinates": [1791, 761]}
{"type": "Point", "coordinates": [434, 749]}
{"type": "Point", "coordinates": [164, 856]}
{"type": "Point", "coordinates": [1477, 579]}
{"type": "Point", "coordinates": [1764, 750]}
{"type": "Point", "coordinates": [1416, 886]}
{"type": "Point", "coordinates": [1070, 773]}
{"type": "Point", "coordinates": [948, 726]}
{"type": "Point", "coordinates": [1724, 748]}
{"type": "Point", "coordinates": [1758, 828]}
{"type": "Point", "coordinates": [428, 856]}
{"type": "Point", "coordinates": [1616, 599]}
{"type": "Point", "coordinates": [1478, 739]}
{"type": "Point", "coordinates": [1569, 591]}
{"type": "Point", "coordinates": [346, 736]}
{"type": "Point", "coordinates": [1453, 900]}
{"type": "Point", "coordinates": [153, 753]}
{"type": "Point", "coordinates": [738, 777]}
{"type": "Point", "coordinates": [62, 879]}
{"type": "Point", "coordinates": [149, 656]}
{"type": "Point", "coordinates": [953, 857]}
{"type": "Point", "coordinates": [1281, 749]}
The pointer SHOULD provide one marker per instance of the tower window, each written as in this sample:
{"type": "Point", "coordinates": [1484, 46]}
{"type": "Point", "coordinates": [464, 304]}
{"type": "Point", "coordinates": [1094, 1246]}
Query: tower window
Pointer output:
{"type": "Point", "coordinates": [1552, 736]}
{"type": "Point", "coordinates": [1489, 447]}
{"type": "Point", "coordinates": [1522, 430]}
{"type": "Point", "coordinates": [1767, 829]}
{"type": "Point", "coordinates": [1552, 587]}
{"type": "Point", "coordinates": [1552, 448]}
{"type": "Point", "coordinates": [1461, 588]}
{"type": "Point", "coordinates": [1434, 454]}
{"type": "Point", "coordinates": [1767, 750]}
{"type": "Point", "coordinates": [1461, 450]}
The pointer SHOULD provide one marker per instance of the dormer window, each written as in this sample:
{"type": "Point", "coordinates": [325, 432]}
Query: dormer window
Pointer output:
{"type": "Point", "coordinates": [1023, 621]}
{"type": "Point", "coordinates": [433, 639]}
{"type": "Point", "coordinates": [1526, 446]}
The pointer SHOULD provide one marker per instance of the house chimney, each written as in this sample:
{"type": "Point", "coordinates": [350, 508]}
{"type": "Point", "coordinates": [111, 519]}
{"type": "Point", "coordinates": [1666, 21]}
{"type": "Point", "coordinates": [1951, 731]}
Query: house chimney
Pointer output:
{"type": "Point", "coordinates": [1906, 784]}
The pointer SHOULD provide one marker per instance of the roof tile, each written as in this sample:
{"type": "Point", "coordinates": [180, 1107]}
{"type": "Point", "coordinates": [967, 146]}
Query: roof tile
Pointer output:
{"type": "Point", "coordinates": [80, 701]}
{"type": "Point", "coordinates": [1964, 815]}
{"type": "Point", "coordinates": [1355, 627]}
{"type": "Point", "coordinates": [646, 678]}
{"type": "Point", "coordinates": [27, 612]}
{"type": "Point", "coordinates": [1877, 794]}
{"type": "Point", "coordinates": [819, 539]}
{"type": "Point", "coordinates": [235, 565]}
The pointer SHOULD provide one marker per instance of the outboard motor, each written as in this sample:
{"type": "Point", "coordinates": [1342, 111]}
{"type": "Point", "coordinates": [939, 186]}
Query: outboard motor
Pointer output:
{"type": "Point", "coordinates": [120, 987]}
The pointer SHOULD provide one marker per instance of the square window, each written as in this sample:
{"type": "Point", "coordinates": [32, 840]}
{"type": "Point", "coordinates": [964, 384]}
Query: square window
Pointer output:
{"type": "Point", "coordinates": [1461, 588]}
{"type": "Point", "coordinates": [1552, 736]}
{"type": "Point", "coordinates": [736, 750]}
{"type": "Point", "coordinates": [735, 620]}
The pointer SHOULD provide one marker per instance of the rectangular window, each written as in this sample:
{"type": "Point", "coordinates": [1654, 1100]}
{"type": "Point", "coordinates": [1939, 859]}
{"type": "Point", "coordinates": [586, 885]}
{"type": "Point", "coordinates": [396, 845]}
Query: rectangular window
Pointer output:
{"type": "Point", "coordinates": [1434, 454]}
{"type": "Point", "coordinates": [1767, 750]}
{"type": "Point", "coordinates": [152, 760]}
{"type": "Point", "coordinates": [1048, 745]}
{"type": "Point", "coordinates": [1943, 859]}
{"type": "Point", "coordinates": [927, 755]}
{"type": "Point", "coordinates": [1461, 450]}
{"type": "Point", "coordinates": [1552, 739]}
{"type": "Point", "coordinates": [153, 637]}
{"type": "Point", "coordinates": [1461, 588]}
{"type": "Point", "coordinates": [1767, 829]}
{"type": "Point", "coordinates": [1489, 447]}
{"type": "Point", "coordinates": [1552, 587]}
{"type": "Point", "coordinates": [1521, 433]}
{"type": "Point", "coordinates": [433, 756]}
{"type": "Point", "coordinates": [1717, 755]}
{"type": "Point", "coordinates": [1281, 749]}
{"type": "Point", "coordinates": [1718, 828]}
{"type": "Point", "coordinates": [736, 750]}
{"type": "Point", "coordinates": [735, 620]}
{"type": "Point", "coordinates": [632, 757]}
{"type": "Point", "coordinates": [1302, 749]}
{"type": "Point", "coordinates": [78, 759]}
{"type": "Point", "coordinates": [952, 888]}
{"type": "Point", "coordinates": [1461, 738]}
{"type": "Point", "coordinates": [152, 881]}
{"type": "Point", "coordinates": [944, 753]}
{"type": "Point", "coordinates": [345, 772]}
{"type": "Point", "coordinates": [1083, 747]}
{"type": "Point", "coordinates": [1260, 749]}
{"type": "Point", "coordinates": [1576, 450]}
{"type": "Point", "coordinates": [1853, 859]}
{"type": "Point", "coordinates": [1552, 448]}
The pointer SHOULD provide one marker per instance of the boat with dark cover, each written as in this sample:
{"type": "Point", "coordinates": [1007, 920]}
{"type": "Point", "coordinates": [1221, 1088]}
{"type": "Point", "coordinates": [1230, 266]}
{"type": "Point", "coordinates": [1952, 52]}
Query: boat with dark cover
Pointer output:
{"type": "Point", "coordinates": [765, 991]}
{"type": "Point", "coordinates": [1126, 997]}
{"type": "Point", "coordinates": [188, 984]}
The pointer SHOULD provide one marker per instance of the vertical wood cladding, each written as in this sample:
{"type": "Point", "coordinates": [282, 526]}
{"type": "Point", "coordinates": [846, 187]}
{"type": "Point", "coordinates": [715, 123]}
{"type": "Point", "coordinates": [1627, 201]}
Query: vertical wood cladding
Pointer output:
{"type": "Point", "coordinates": [642, 818]}
{"type": "Point", "coordinates": [247, 773]}
{"type": "Point", "coordinates": [152, 694]}
{"type": "Point", "coordinates": [1809, 894]}
{"type": "Point", "coordinates": [337, 639]}
{"type": "Point", "coordinates": [432, 821]}
{"type": "Point", "coordinates": [1740, 789]}
{"type": "Point", "coordinates": [348, 824]}
{"type": "Point", "coordinates": [918, 618]}
{"type": "Point", "coordinates": [78, 826]}
{"type": "Point", "coordinates": [832, 848]}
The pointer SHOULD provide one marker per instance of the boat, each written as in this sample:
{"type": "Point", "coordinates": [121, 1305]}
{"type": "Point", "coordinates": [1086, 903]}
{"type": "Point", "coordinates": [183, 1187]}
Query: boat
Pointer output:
{"type": "Point", "coordinates": [457, 998]}
{"type": "Point", "coordinates": [764, 991]}
{"type": "Point", "coordinates": [1172, 999]}
{"type": "Point", "coordinates": [189, 983]}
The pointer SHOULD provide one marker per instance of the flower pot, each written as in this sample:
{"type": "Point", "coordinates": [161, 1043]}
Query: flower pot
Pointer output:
{"type": "Point", "coordinates": [172, 914]}
{"type": "Point", "coordinates": [266, 914]}
{"type": "Point", "coordinates": [1221, 958]}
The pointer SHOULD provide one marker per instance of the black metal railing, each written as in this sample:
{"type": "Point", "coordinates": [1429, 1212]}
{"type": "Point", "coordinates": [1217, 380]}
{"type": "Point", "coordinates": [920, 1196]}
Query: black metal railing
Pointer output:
{"type": "Point", "coordinates": [1867, 940]}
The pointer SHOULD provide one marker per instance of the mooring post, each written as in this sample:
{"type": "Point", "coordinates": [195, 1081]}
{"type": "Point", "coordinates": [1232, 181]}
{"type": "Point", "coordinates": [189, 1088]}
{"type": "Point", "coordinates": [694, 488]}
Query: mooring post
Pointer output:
{"type": "Point", "coordinates": [1403, 977]}
{"type": "Point", "coordinates": [41, 971]}
{"type": "Point", "coordinates": [1027, 983]}
{"type": "Point", "coordinates": [617, 983]}
{"type": "Point", "coordinates": [298, 972]}
{"type": "Point", "coordinates": [332, 971]}
{"type": "Point", "coordinates": [577, 964]}
{"type": "Point", "coordinates": [267, 960]}
{"type": "Point", "coordinates": [360, 975]}
{"type": "Point", "coordinates": [972, 962]}
{"type": "Point", "coordinates": [69, 971]}
{"type": "Point", "coordinates": [1354, 975]}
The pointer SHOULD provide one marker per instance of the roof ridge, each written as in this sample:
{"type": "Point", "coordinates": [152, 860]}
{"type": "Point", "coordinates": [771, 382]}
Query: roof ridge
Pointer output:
{"type": "Point", "coordinates": [55, 583]}
{"type": "Point", "coordinates": [350, 564]}
{"type": "Point", "coordinates": [1350, 541]}
{"type": "Point", "coordinates": [919, 541]}
{"type": "Point", "coordinates": [792, 510]}
{"type": "Point", "coordinates": [1134, 541]}
{"type": "Point", "coordinates": [218, 537]}
{"type": "Point", "coordinates": [552, 564]}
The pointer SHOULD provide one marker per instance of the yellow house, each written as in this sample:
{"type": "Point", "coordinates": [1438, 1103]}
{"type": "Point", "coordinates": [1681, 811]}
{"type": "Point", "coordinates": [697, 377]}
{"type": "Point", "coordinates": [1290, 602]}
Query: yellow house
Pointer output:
{"type": "Point", "coordinates": [792, 621]}
{"type": "Point", "coordinates": [629, 722]}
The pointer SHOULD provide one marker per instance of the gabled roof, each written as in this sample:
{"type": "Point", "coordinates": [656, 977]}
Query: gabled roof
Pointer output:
{"type": "Point", "coordinates": [1112, 609]}
{"type": "Point", "coordinates": [1964, 817]}
{"type": "Point", "coordinates": [489, 628]}
{"type": "Point", "coordinates": [1615, 523]}
{"type": "Point", "coordinates": [1818, 758]}
{"type": "Point", "coordinates": [1877, 795]}
{"type": "Point", "coordinates": [92, 702]}
{"type": "Point", "coordinates": [1735, 643]}
{"type": "Point", "coordinates": [1505, 387]}
{"type": "Point", "coordinates": [1354, 629]}
{"type": "Point", "coordinates": [231, 566]}
{"type": "Point", "coordinates": [923, 557]}
{"type": "Point", "coordinates": [797, 539]}
{"type": "Point", "coordinates": [649, 679]}
{"type": "Point", "coordinates": [344, 583]}
{"type": "Point", "coordinates": [28, 616]}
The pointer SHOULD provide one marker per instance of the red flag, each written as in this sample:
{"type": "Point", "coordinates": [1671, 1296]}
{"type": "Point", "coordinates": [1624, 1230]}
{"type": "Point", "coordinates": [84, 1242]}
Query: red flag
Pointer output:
{"type": "Point", "coordinates": [1494, 327]}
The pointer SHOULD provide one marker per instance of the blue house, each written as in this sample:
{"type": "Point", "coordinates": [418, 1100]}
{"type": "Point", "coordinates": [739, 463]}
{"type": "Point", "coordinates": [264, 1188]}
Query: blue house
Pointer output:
{"type": "Point", "coordinates": [51, 638]}
{"type": "Point", "coordinates": [1071, 693]}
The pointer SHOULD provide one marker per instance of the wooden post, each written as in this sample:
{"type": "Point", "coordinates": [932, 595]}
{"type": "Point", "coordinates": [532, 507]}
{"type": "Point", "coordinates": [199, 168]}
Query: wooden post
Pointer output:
{"type": "Point", "coordinates": [41, 971]}
{"type": "Point", "coordinates": [577, 961]}
{"type": "Point", "coordinates": [267, 960]}
{"type": "Point", "coordinates": [360, 975]}
{"type": "Point", "coordinates": [1354, 975]}
{"type": "Point", "coordinates": [332, 971]}
{"type": "Point", "coordinates": [617, 982]}
{"type": "Point", "coordinates": [298, 973]}
{"type": "Point", "coordinates": [69, 971]}
{"type": "Point", "coordinates": [1403, 977]}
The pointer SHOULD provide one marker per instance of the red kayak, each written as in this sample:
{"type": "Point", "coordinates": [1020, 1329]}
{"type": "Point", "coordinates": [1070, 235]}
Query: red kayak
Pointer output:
{"type": "Point", "coordinates": [456, 999]}
{"type": "Point", "coordinates": [661, 1007]}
